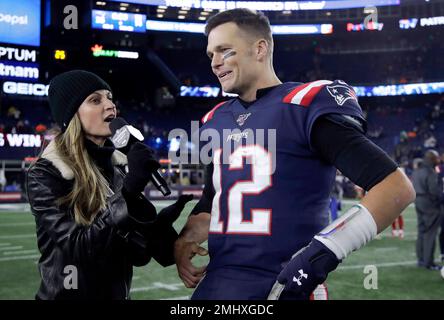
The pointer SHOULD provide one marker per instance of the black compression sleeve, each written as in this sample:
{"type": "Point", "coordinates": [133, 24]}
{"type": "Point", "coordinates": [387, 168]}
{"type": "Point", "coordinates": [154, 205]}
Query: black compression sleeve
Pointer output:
{"type": "Point", "coordinates": [358, 158]}
{"type": "Point", "coordinates": [206, 201]}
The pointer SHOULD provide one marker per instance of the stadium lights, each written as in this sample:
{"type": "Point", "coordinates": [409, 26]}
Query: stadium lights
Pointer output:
{"type": "Point", "coordinates": [369, 10]}
{"type": "Point", "coordinates": [100, 3]}
{"type": "Point", "coordinates": [183, 12]}
{"type": "Point", "coordinates": [180, 17]}
{"type": "Point", "coordinates": [267, 5]}
{"type": "Point", "coordinates": [202, 18]}
{"type": "Point", "coordinates": [193, 27]}
{"type": "Point", "coordinates": [123, 8]}
{"type": "Point", "coordinates": [162, 7]}
{"type": "Point", "coordinates": [124, 4]}
{"type": "Point", "coordinates": [160, 10]}
{"type": "Point", "coordinates": [204, 13]}
{"type": "Point", "coordinates": [160, 16]}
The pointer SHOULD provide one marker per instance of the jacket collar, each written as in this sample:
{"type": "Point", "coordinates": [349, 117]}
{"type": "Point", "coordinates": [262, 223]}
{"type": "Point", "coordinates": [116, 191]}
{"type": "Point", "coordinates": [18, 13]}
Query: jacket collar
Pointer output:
{"type": "Point", "coordinates": [51, 154]}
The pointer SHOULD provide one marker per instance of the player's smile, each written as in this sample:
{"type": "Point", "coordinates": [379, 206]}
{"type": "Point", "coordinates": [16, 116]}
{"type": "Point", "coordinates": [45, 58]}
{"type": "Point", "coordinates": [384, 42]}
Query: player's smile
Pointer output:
{"type": "Point", "coordinates": [225, 75]}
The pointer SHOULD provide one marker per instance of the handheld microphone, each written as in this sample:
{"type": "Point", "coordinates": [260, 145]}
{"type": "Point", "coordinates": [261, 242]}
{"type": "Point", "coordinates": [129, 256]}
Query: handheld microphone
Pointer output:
{"type": "Point", "coordinates": [124, 136]}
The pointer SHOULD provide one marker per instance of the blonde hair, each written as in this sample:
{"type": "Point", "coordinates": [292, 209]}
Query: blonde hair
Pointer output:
{"type": "Point", "coordinates": [90, 190]}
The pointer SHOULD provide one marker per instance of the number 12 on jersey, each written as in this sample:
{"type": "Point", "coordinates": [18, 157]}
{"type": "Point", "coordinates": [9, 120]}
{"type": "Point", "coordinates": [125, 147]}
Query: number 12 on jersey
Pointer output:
{"type": "Point", "coordinates": [261, 180]}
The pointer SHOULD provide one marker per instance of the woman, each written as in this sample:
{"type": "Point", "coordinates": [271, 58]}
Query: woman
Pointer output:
{"type": "Point", "coordinates": [93, 223]}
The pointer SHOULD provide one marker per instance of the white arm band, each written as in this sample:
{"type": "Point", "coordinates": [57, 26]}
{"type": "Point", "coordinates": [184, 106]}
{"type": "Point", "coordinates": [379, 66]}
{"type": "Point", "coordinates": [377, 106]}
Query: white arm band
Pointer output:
{"type": "Point", "coordinates": [350, 232]}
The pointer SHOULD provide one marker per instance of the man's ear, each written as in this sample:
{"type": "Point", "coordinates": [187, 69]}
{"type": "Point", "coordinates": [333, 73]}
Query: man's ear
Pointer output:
{"type": "Point", "coordinates": [262, 49]}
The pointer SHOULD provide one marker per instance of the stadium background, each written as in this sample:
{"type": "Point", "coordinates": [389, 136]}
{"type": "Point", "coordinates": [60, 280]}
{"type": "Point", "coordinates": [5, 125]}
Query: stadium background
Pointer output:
{"type": "Point", "coordinates": [153, 55]}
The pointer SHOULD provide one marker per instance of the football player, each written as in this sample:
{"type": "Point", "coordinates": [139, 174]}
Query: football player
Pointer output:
{"type": "Point", "coordinates": [264, 208]}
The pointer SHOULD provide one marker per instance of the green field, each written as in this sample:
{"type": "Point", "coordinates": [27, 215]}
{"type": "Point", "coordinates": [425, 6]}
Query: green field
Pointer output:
{"type": "Point", "coordinates": [397, 274]}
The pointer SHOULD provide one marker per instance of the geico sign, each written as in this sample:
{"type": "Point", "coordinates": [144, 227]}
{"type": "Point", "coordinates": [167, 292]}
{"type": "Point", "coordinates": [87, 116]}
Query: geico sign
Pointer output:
{"type": "Point", "coordinates": [17, 54]}
{"type": "Point", "coordinates": [21, 140]}
{"type": "Point", "coordinates": [28, 89]}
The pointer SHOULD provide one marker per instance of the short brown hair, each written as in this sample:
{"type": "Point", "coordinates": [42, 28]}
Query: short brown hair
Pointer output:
{"type": "Point", "coordinates": [253, 22]}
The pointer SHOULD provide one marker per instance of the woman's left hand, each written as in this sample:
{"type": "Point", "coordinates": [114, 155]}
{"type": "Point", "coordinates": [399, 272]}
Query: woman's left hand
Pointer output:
{"type": "Point", "coordinates": [168, 215]}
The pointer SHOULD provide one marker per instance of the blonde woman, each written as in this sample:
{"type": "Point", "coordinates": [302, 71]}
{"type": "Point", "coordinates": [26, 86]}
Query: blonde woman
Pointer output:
{"type": "Point", "coordinates": [93, 223]}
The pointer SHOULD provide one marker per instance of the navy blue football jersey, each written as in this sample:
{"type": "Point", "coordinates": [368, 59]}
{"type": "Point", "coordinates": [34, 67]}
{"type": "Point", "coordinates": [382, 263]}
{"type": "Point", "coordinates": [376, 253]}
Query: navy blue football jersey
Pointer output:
{"type": "Point", "coordinates": [271, 188]}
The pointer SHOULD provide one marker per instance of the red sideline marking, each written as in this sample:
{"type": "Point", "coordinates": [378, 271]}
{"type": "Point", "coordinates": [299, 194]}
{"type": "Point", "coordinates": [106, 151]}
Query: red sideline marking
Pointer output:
{"type": "Point", "coordinates": [10, 196]}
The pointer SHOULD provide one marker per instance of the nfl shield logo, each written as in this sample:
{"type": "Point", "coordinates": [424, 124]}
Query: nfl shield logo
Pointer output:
{"type": "Point", "coordinates": [342, 93]}
{"type": "Point", "coordinates": [242, 118]}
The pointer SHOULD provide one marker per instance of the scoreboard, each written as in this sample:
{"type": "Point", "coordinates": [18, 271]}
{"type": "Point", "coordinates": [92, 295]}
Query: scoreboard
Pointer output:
{"type": "Point", "coordinates": [118, 21]}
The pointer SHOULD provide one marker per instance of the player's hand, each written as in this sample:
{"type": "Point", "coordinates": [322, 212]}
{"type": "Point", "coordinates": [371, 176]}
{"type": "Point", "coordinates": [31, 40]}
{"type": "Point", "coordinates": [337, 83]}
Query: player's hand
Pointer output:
{"type": "Point", "coordinates": [307, 269]}
{"type": "Point", "coordinates": [168, 215]}
{"type": "Point", "coordinates": [184, 251]}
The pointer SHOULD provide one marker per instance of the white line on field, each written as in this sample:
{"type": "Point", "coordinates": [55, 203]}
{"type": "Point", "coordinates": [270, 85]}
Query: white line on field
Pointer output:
{"type": "Point", "coordinates": [11, 248]}
{"type": "Point", "coordinates": [19, 236]}
{"type": "Point", "coordinates": [25, 208]}
{"type": "Point", "coordinates": [160, 285]}
{"type": "Point", "coordinates": [18, 224]}
{"type": "Point", "coordinates": [20, 252]}
{"type": "Point", "coordinates": [20, 258]}
{"type": "Point", "coordinates": [384, 249]}
{"type": "Point", "coordinates": [384, 264]}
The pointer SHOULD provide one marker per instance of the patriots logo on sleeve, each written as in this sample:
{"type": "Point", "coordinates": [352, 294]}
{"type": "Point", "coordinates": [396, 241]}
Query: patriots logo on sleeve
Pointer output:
{"type": "Point", "coordinates": [341, 92]}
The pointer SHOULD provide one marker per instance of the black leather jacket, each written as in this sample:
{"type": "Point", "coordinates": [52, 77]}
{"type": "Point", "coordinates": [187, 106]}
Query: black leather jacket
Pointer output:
{"type": "Point", "coordinates": [95, 261]}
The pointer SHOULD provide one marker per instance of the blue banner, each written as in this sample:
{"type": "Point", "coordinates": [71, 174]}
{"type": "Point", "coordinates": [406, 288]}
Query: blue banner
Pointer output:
{"type": "Point", "coordinates": [361, 91]}
{"type": "Point", "coordinates": [14, 70]}
{"type": "Point", "coordinates": [192, 27]}
{"type": "Point", "coordinates": [20, 22]}
{"type": "Point", "coordinates": [400, 89]}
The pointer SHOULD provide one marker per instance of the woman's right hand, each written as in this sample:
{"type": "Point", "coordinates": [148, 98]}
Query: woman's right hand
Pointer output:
{"type": "Point", "coordinates": [141, 163]}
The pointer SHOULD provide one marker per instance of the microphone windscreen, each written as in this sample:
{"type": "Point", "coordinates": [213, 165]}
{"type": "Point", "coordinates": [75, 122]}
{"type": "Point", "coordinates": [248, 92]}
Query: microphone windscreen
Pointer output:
{"type": "Point", "coordinates": [116, 124]}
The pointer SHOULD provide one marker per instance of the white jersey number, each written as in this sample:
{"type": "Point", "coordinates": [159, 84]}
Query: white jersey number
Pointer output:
{"type": "Point", "coordinates": [261, 171]}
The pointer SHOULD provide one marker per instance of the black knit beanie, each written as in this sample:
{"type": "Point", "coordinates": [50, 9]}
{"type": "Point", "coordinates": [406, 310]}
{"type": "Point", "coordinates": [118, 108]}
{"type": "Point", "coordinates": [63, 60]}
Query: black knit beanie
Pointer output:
{"type": "Point", "coordinates": [68, 90]}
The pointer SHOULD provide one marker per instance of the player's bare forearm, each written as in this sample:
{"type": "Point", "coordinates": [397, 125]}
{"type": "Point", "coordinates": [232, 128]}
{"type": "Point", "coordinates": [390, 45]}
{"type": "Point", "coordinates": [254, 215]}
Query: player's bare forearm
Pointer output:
{"type": "Point", "coordinates": [196, 228]}
{"type": "Point", "coordinates": [386, 200]}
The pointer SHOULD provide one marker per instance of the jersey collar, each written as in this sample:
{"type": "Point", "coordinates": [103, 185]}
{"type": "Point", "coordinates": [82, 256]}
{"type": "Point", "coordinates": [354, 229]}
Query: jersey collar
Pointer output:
{"type": "Point", "coordinates": [259, 94]}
